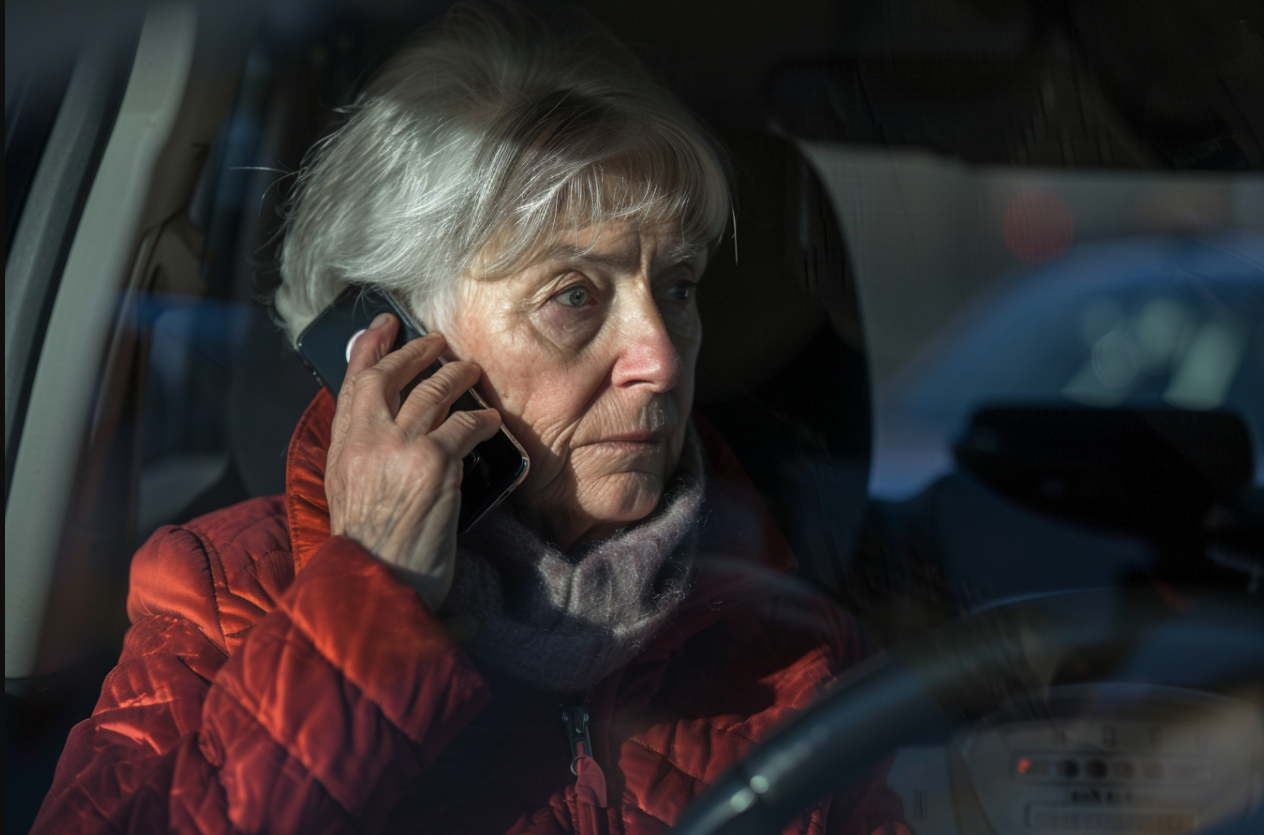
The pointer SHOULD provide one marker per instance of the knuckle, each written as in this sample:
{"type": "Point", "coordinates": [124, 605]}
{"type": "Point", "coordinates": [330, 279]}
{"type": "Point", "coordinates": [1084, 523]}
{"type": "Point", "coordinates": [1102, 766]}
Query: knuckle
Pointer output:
{"type": "Point", "coordinates": [426, 392]}
{"type": "Point", "coordinates": [468, 421]}
{"type": "Point", "coordinates": [442, 384]}
{"type": "Point", "coordinates": [356, 456]}
{"type": "Point", "coordinates": [454, 381]}
{"type": "Point", "coordinates": [467, 368]}
{"type": "Point", "coordinates": [418, 347]}
{"type": "Point", "coordinates": [378, 371]}
{"type": "Point", "coordinates": [372, 378]}
{"type": "Point", "coordinates": [428, 456]}
{"type": "Point", "coordinates": [423, 448]}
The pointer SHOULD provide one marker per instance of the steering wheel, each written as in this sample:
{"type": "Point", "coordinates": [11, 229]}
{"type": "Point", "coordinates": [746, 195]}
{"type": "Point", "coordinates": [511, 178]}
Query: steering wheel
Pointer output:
{"type": "Point", "coordinates": [966, 671]}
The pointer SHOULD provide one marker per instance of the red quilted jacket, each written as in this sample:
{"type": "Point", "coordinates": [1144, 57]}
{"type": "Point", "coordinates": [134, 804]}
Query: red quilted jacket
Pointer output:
{"type": "Point", "coordinates": [276, 679]}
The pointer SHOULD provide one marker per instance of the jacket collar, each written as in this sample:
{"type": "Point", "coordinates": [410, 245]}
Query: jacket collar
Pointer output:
{"type": "Point", "coordinates": [742, 553]}
{"type": "Point", "coordinates": [305, 479]}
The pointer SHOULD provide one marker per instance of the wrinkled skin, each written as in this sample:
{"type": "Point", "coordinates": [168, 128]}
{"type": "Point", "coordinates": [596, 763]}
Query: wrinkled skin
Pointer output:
{"type": "Point", "coordinates": [393, 474]}
{"type": "Point", "coordinates": [587, 353]}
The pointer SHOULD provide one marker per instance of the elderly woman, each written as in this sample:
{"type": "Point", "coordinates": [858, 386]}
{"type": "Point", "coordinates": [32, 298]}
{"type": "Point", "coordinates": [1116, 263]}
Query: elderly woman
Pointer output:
{"type": "Point", "coordinates": [589, 657]}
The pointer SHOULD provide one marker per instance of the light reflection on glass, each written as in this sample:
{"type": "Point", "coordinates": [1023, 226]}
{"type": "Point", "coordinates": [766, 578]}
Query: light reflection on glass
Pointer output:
{"type": "Point", "coordinates": [1202, 379]}
{"type": "Point", "coordinates": [1116, 359]}
{"type": "Point", "coordinates": [1164, 339]}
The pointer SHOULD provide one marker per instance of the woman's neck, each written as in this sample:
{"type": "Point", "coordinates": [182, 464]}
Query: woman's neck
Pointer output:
{"type": "Point", "coordinates": [565, 531]}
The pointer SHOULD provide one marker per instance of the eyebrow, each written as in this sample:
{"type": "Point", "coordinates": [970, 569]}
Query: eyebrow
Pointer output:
{"type": "Point", "coordinates": [676, 254]}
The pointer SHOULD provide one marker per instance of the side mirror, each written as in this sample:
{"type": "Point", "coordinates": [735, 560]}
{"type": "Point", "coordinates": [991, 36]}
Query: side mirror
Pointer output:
{"type": "Point", "coordinates": [1177, 479]}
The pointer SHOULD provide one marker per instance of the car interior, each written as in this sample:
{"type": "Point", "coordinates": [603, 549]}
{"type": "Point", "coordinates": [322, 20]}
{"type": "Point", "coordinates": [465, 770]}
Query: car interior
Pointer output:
{"type": "Point", "coordinates": [1070, 600]}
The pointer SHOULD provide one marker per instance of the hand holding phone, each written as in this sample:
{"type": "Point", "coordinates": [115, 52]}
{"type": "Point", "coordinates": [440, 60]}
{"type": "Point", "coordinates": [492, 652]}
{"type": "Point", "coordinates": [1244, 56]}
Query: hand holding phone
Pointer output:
{"type": "Point", "coordinates": [416, 456]}
{"type": "Point", "coordinates": [491, 471]}
{"type": "Point", "coordinates": [394, 468]}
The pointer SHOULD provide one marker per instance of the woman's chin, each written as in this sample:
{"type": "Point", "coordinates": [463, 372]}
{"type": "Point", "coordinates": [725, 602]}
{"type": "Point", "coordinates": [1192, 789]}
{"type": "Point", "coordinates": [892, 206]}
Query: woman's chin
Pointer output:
{"type": "Point", "coordinates": [622, 498]}
{"type": "Point", "coordinates": [596, 504]}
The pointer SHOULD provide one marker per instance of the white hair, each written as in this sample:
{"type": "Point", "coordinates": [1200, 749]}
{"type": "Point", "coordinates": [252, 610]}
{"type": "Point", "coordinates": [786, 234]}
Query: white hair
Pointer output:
{"type": "Point", "coordinates": [480, 141]}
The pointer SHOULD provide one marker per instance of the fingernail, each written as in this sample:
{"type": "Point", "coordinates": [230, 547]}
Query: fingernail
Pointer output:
{"type": "Point", "coordinates": [380, 321]}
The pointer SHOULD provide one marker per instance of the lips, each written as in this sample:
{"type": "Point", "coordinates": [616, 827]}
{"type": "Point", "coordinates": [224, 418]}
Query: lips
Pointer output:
{"type": "Point", "coordinates": [653, 424]}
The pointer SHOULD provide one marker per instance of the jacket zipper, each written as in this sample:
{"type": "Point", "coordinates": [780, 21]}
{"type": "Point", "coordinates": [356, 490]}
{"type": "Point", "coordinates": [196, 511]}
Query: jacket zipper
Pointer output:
{"type": "Point", "coordinates": [590, 780]}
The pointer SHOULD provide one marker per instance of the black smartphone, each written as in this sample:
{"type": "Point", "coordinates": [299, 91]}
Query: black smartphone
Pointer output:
{"type": "Point", "coordinates": [492, 470]}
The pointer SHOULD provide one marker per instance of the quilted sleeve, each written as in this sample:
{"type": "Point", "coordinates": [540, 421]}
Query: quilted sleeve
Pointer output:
{"type": "Point", "coordinates": [325, 710]}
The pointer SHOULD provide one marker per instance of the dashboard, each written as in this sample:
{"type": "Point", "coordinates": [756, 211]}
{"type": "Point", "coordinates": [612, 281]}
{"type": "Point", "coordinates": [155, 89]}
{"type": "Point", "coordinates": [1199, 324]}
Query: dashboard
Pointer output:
{"type": "Point", "coordinates": [1097, 758]}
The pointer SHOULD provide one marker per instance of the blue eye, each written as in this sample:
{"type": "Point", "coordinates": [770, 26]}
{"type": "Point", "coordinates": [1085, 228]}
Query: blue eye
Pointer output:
{"type": "Point", "coordinates": [683, 291]}
{"type": "Point", "coordinates": [574, 297]}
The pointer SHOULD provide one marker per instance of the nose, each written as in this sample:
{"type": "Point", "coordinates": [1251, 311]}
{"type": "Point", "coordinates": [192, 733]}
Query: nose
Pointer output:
{"type": "Point", "coordinates": [647, 356]}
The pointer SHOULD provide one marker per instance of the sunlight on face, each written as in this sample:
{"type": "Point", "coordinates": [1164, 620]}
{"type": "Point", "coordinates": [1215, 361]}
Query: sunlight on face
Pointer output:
{"type": "Point", "coordinates": [589, 354]}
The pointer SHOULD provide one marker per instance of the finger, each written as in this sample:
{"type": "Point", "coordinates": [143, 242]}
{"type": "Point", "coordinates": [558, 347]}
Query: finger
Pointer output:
{"type": "Point", "coordinates": [462, 431]}
{"type": "Point", "coordinates": [399, 368]}
{"type": "Point", "coordinates": [370, 345]}
{"type": "Point", "coordinates": [366, 348]}
{"type": "Point", "coordinates": [429, 402]}
{"type": "Point", "coordinates": [380, 384]}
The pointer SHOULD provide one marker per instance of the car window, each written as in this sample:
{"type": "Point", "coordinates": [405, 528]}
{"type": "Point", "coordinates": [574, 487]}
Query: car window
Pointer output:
{"type": "Point", "coordinates": [28, 119]}
{"type": "Point", "coordinates": [1149, 321]}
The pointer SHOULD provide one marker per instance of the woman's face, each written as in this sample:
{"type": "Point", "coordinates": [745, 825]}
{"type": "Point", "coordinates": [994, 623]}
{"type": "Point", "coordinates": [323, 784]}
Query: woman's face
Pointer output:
{"type": "Point", "coordinates": [589, 355]}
